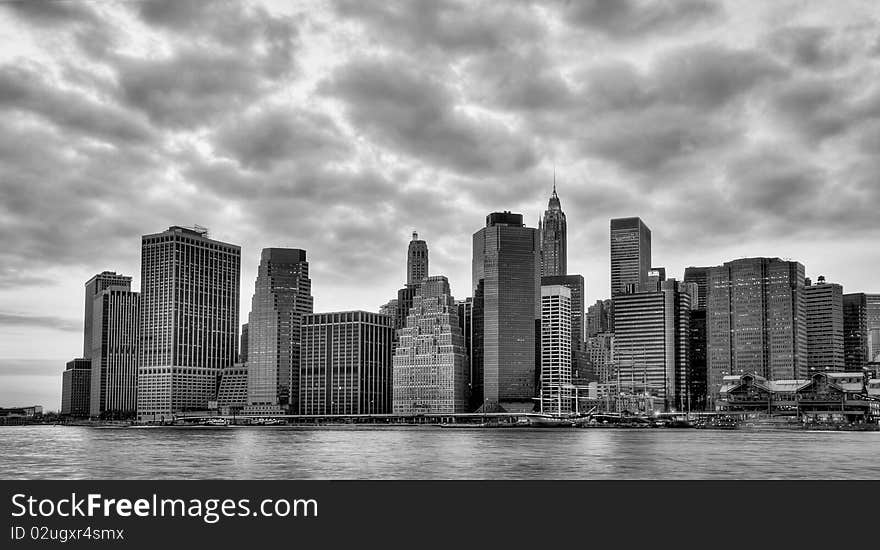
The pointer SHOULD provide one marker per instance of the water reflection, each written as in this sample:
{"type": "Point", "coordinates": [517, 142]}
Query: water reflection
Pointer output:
{"type": "Point", "coordinates": [430, 453]}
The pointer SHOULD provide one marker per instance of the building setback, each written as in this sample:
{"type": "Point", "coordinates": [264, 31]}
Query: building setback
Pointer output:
{"type": "Point", "coordinates": [556, 357]}
{"type": "Point", "coordinates": [755, 320]}
{"type": "Point", "coordinates": [114, 354]}
{"type": "Point", "coordinates": [282, 295]}
{"type": "Point", "coordinates": [554, 238]}
{"type": "Point", "coordinates": [652, 341]}
{"type": "Point", "coordinates": [506, 281]}
{"type": "Point", "coordinates": [189, 320]}
{"type": "Point", "coordinates": [599, 318]}
{"type": "Point", "coordinates": [630, 255]}
{"type": "Point", "coordinates": [431, 373]}
{"type": "Point", "coordinates": [345, 364]}
{"type": "Point", "coordinates": [824, 308]}
{"type": "Point", "coordinates": [76, 388]}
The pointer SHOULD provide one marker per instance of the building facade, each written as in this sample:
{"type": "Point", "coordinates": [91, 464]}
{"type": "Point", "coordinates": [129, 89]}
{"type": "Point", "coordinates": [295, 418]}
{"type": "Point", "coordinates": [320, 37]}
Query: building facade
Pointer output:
{"type": "Point", "coordinates": [114, 353]}
{"type": "Point", "coordinates": [346, 363]}
{"type": "Point", "coordinates": [506, 281]}
{"type": "Point", "coordinates": [699, 276]}
{"type": "Point", "coordinates": [93, 287]}
{"type": "Point", "coordinates": [601, 355]}
{"type": "Point", "coordinates": [76, 388]}
{"type": "Point", "coordinates": [554, 238]}
{"type": "Point", "coordinates": [189, 320]}
{"type": "Point", "coordinates": [824, 307]}
{"type": "Point", "coordinates": [652, 340]}
{"type": "Point", "coordinates": [282, 295]}
{"type": "Point", "coordinates": [630, 255]}
{"type": "Point", "coordinates": [232, 390]}
{"type": "Point", "coordinates": [556, 357]}
{"type": "Point", "coordinates": [756, 320]}
{"type": "Point", "coordinates": [575, 284]}
{"type": "Point", "coordinates": [431, 372]}
{"type": "Point", "coordinates": [599, 318]}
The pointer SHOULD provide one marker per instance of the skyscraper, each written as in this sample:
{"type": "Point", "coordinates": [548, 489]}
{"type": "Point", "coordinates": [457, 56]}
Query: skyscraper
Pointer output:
{"type": "Point", "coordinates": [599, 318]}
{"type": "Point", "coordinates": [652, 332]}
{"type": "Point", "coordinates": [243, 344]}
{"type": "Point", "coordinates": [575, 284]}
{"type": "Point", "coordinates": [630, 255]}
{"type": "Point", "coordinates": [345, 364]}
{"type": "Point", "coordinates": [114, 352]}
{"type": "Point", "coordinates": [431, 371]}
{"type": "Point", "coordinates": [95, 285]}
{"type": "Point", "coordinates": [556, 357]}
{"type": "Point", "coordinates": [861, 320]}
{"type": "Point", "coordinates": [76, 388]}
{"type": "Point", "coordinates": [698, 275]}
{"type": "Point", "coordinates": [416, 260]}
{"type": "Point", "coordinates": [554, 245]}
{"type": "Point", "coordinates": [189, 319]}
{"type": "Point", "coordinates": [506, 279]}
{"type": "Point", "coordinates": [824, 309]}
{"type": "Point", "coordinates": [282, 295]}
{"type": "Point", "coordinates": [756, 320]}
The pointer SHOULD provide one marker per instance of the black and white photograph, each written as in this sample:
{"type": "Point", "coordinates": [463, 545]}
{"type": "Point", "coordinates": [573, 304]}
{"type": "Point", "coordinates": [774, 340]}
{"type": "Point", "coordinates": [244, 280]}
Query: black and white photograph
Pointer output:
{"type": "Point", "coordinates": [557, 240]}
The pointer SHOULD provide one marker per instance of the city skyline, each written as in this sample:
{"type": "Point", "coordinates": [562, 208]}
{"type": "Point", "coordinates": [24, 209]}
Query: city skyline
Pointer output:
{"type": "Point", "coordinates": [103, 145]}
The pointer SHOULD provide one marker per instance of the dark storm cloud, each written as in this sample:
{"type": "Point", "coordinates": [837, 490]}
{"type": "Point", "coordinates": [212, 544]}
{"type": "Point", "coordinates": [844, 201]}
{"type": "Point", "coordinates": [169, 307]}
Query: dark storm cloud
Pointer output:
{"type": "Point", "coordinates": [10, 319]}
{"type": "Point", "coordinates": [818, 108]}
{"type": "Point", "coordinates": [451, 27]}
{"type": "Point", "coordinates": [26, 88]}
{"type": "Point", "coordinates": [46, 12]}
{"type": "Point", "coordinates": [675, 111]}
{"type": "Point", "coordinates": [409, 108]}
{"type": "Point", "coordinates": [809, 47]}
{"type": "Point", "coordinates": [264, 137]}
{"type": "Point", "coordinates": [637, 18]}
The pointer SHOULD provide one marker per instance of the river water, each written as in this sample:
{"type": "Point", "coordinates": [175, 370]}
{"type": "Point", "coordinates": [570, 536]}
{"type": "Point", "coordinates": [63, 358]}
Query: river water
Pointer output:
{"type": "Point", "coordinates": [56, 452]}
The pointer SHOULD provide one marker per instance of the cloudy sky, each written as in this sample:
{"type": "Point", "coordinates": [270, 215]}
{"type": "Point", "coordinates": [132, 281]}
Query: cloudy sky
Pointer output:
{"type": "Point", "coordinates": [733, 128]}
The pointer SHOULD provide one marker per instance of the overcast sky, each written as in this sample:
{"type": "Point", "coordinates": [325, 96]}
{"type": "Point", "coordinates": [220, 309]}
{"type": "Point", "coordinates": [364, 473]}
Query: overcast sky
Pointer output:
{"type": "Point", "coordinates": [732, 128]}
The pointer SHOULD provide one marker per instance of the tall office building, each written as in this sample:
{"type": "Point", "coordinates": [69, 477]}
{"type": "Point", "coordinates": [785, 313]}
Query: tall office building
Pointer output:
{"type": "Point", "coordinates": [698, 275]}
{"type": "Point", "coordinates": [556, 357]}
{"type": "Point", "coordinates": [416, 260]}
{"type": "Point", "coordinates": [575, 284]}
{"type": "Point", "coordinates": [656, 275]}
{"type": "Point", "coordinates": [652, 332]}
{"type": "Point", "coordinates": [824, 307]}
{"type": "Point", "coordinates": [189, 320]}
{"type": "Point", "coordinates": [599, 318]}
{"type": "Point", "coordinates": [630, 255]}
{"type": "Point", "coordinates": [872, 302]}
{"type": "Point", "coordinates": [345, 363]}
{"type": "Point", "coordinates": [282, 295]}
{"type": "Point", "coordinates": [466, 325]}
{"type": "Point", "coordinates": [114, 353]}
{"type": "Point", "coordinates": [696, 368]}
{"type": "Point", "coordinates": [507, 288]}
{"type": "Point", "coordinates": [76, 388]}
{"type": "Point", "coordinates": [94, 286]}
{"type": "Point", "coordinates": [861, 328]}
{"type": "Point", "coordinates": [554, 235]}
{"type": "Point", "coordinates": [601, 354]}
{"type": "Point", "coordinates": [431, 370]}
{"type": "Point", "coordinates": [756, 320]}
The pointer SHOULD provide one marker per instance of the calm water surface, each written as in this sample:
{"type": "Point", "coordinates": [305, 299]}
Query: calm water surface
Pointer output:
{"type": "Point", "coordinates": [55, 452]}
